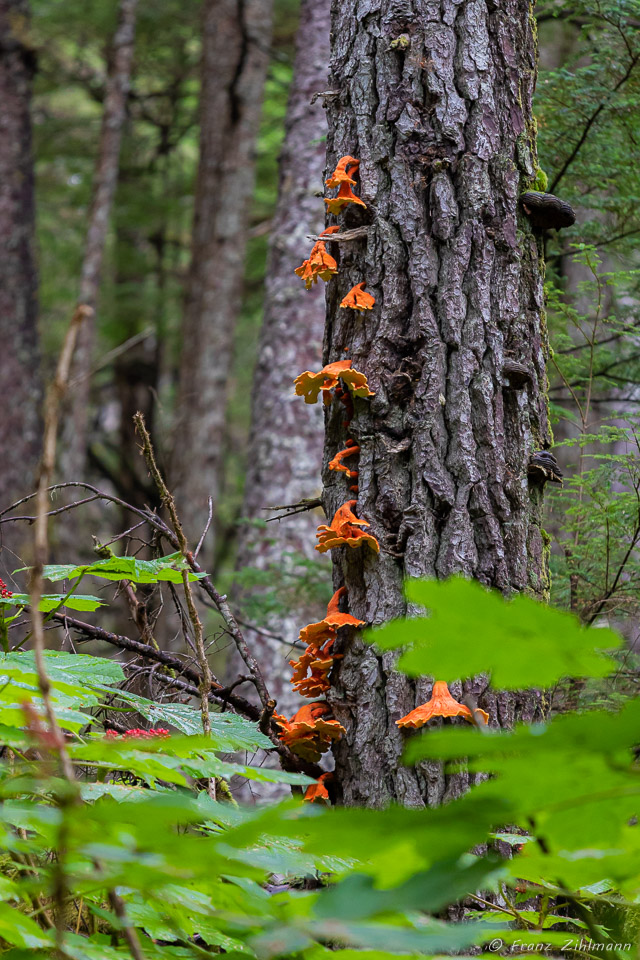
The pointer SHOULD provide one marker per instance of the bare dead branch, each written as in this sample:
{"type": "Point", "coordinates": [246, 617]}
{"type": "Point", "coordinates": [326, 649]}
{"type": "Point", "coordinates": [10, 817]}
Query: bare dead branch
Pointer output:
{"type": "Point", "coordinates": [206, 528]}
{"type": "Point", "coordinates": [291, 509]}
{"type": "Point", "coordinates": [357, 233]}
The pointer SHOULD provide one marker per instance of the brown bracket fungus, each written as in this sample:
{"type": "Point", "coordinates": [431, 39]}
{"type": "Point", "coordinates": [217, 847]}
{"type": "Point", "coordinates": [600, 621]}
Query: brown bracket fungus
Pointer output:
{"type": "Point", "coordinates": [544, 467]}
{"type": "Point", "coordinates": [546, 211]}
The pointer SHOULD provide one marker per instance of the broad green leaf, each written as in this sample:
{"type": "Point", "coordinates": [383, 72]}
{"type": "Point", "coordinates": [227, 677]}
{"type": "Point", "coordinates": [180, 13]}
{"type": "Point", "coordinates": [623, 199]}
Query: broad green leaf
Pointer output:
{"type": "Point", "coordinates": [318, 952]}
{"type": "Point", "coordinates": [599, 731]}
{"type": "Point", "coordinates": [406, 841]}
{"type": "Point", "coordinates": [532, 917]}
{"type": "Point", "coordinates": [163, 569]}
{"type": "Point", "coordinates": [575, 779]}
{"type": "Point", "coordinates": [86, 668]}
{"type": "Point", "coordinates": [193, 756]}
{"type": "Point", "coordinates": [356, 897]}
{"type": "Point", "coordinates": [427, 936]}
{"type": "Point", "coordinates": [51, 601]}
{"type": "Point", "coordinates": [117, 791]}
{"type": "Point", "coordinates": [9, 889]}
{"type": "Point", "coordinates": [20, 930]}
{"type": "Point", "coordinates": [470, 630]}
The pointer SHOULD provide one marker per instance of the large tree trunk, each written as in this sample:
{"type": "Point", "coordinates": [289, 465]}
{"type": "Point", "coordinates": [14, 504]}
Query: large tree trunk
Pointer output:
{"type": "Point", "coordinates": [19, 355]}
{"type": "Point", "coordinates": [236, 36]}
{"type": "Point", "coordinates": [74, 446]}
{"type": "Point", "coordinates": [285, 445]}
{"type": "Point", "coordinates": [435, 98]}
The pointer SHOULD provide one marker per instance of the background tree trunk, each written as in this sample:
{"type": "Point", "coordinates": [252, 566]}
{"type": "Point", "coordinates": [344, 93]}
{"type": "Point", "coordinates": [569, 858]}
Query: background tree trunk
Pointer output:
{"type": "Point", "coordinates": [74, 446]}
{"type": "Point", "coordinates": [436, 101]}
{"type": "Point", "coordinates": [19, 356]}
{"type": "Point", "coordinates": [236, 36]}
{"type": "Point", "coordinates": [285, 446]}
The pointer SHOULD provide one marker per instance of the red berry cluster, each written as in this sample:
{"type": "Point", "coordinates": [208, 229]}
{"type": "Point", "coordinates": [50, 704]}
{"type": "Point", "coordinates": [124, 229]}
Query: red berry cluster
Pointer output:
{"type": "Point", "coordinates": [137, 733]}
{"type": "Point", "coordinates": [4, 592]}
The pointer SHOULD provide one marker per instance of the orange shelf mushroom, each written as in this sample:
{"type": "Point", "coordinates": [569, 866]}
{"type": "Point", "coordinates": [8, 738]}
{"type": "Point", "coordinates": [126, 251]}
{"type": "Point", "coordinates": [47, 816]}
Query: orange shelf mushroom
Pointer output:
{"type": "Point", "coordinates": [441, 704]}
{"type": "Point", "coordinates": [337, 464]}
{"type": "Point", "coordinates": [343, 531]}
{"type": "Point", "coordinates": [358, 299]}
{"type": "Point", "coordinates": [344, 197]}
{"type": "Point", "coordinates": [315, 634]}
{"type": "Point", "coordinates": [320, 263]}
{"type": "Point", "coordinates": [317, 790]}
{"type": "Point", "coordinates": [310, 731]}
{"type": "Point", "coordinates": [356, 382]}
{"type": "Point", "coordinates": [317, 683]}
{"type": "Point", "coordinates": [342, 173]}
{"type": "Point", "coordinates": [309, 385]}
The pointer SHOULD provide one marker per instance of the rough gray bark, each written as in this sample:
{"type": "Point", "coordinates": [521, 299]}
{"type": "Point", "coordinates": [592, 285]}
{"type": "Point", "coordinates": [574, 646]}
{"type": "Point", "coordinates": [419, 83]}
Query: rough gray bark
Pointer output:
{"type": "Point", "coordinates": [435, 99]}
{"type": "Point", "coordinates": [74, 447]}
{"type": "Point", "coordinates": [19, 356]}
{"type": "Point", "coordinates": [236, 36]}
{"type": "Point", "coordinates": [285, 446]}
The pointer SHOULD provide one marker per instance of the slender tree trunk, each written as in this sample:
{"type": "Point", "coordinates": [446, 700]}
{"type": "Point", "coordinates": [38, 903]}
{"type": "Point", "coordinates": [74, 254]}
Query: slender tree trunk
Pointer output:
{"type": "Point", "coordinates": [19, 355]}
{"type": "Point", "coordinates": [436, 101]}
{"type": "Point", "coordinates": [285, 445]}
{"type": "Point", "coordinates": [74, 447]}
{"type": "Point", "coordinates": [236, 36]}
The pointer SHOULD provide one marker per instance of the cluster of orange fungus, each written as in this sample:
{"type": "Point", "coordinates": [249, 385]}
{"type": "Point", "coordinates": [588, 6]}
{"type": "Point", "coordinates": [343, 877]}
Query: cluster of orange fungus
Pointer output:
{"type": "Point", "coordinates": [309, 385]}
{"type": "Point", "coordinates": [337, 464]}
{"type": "Point", "coordinates": [345, 531]}
{"type": "Point", "coordinates": [318, 791]}
{"type": "Point", "coordinates": [310, 731]}
{"type": "Point", "coordinates": [441, 704]}
{"type": "Point", "coordinates": [343, 172]}
{"type": "Point", "coordinates": [311, 670]}
{"type": "Point", "coordinates": [320, 264]}
{"type": "Point", "coordinates": [342, 177]}
{"type": "Point", "coordinates": [317, 682]}
{"type": "Point", "coordinates": [358, 299]}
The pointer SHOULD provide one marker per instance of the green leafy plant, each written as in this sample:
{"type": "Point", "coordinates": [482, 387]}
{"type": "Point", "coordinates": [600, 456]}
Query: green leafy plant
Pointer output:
{"type": "Point", "coordinates": [198, 875]}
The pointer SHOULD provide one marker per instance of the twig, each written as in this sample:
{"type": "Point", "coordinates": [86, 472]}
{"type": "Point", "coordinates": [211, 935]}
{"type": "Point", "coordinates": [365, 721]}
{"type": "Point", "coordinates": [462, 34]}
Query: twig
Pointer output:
{"type": "Point", "coordinates": [291, 644]}
{"type": "Point", "coordinates": [41, 551]}
{"type": "Point", "coordinates": [41, 537]}
{"type": "Point", "coordinates": [111, 355]}
{"type": "Point", "coordinates": [234, 630]}
{"type": "Point", "coordinates": [218, 694]}
{"type": "Point", "coordinates": [219, 600]}
{"type": "Point", "coordinates": [356, 233]}
{"type": "Point", "coordinates": [130, 934]}
{"type": "Point", "coordinates": [125, 533]}
{"type": "Point", "coordinates": [167, 499]}
{"type": "Point", "coordinates": [265, 720]}
{"type": "Point", "coordinates": [293, 508]}
{"type": "Point", "coordinates": [206, 528]}
{"type": "Point", "coordinates": [50, 513]}
{"type": "Point", "coordinates": [221, 695]}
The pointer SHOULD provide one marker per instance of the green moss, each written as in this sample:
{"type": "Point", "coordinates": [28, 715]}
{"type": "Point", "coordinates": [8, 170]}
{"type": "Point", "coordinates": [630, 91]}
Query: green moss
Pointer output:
{"type": "Point", "coordinates": [540, 181]}
{"type": "Point", "coordinates": [400, 43]}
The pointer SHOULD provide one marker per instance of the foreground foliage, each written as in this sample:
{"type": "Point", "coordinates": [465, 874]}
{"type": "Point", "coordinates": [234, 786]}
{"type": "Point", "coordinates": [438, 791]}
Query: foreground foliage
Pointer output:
{"type": "Point", "coordinates": [199, 875]}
